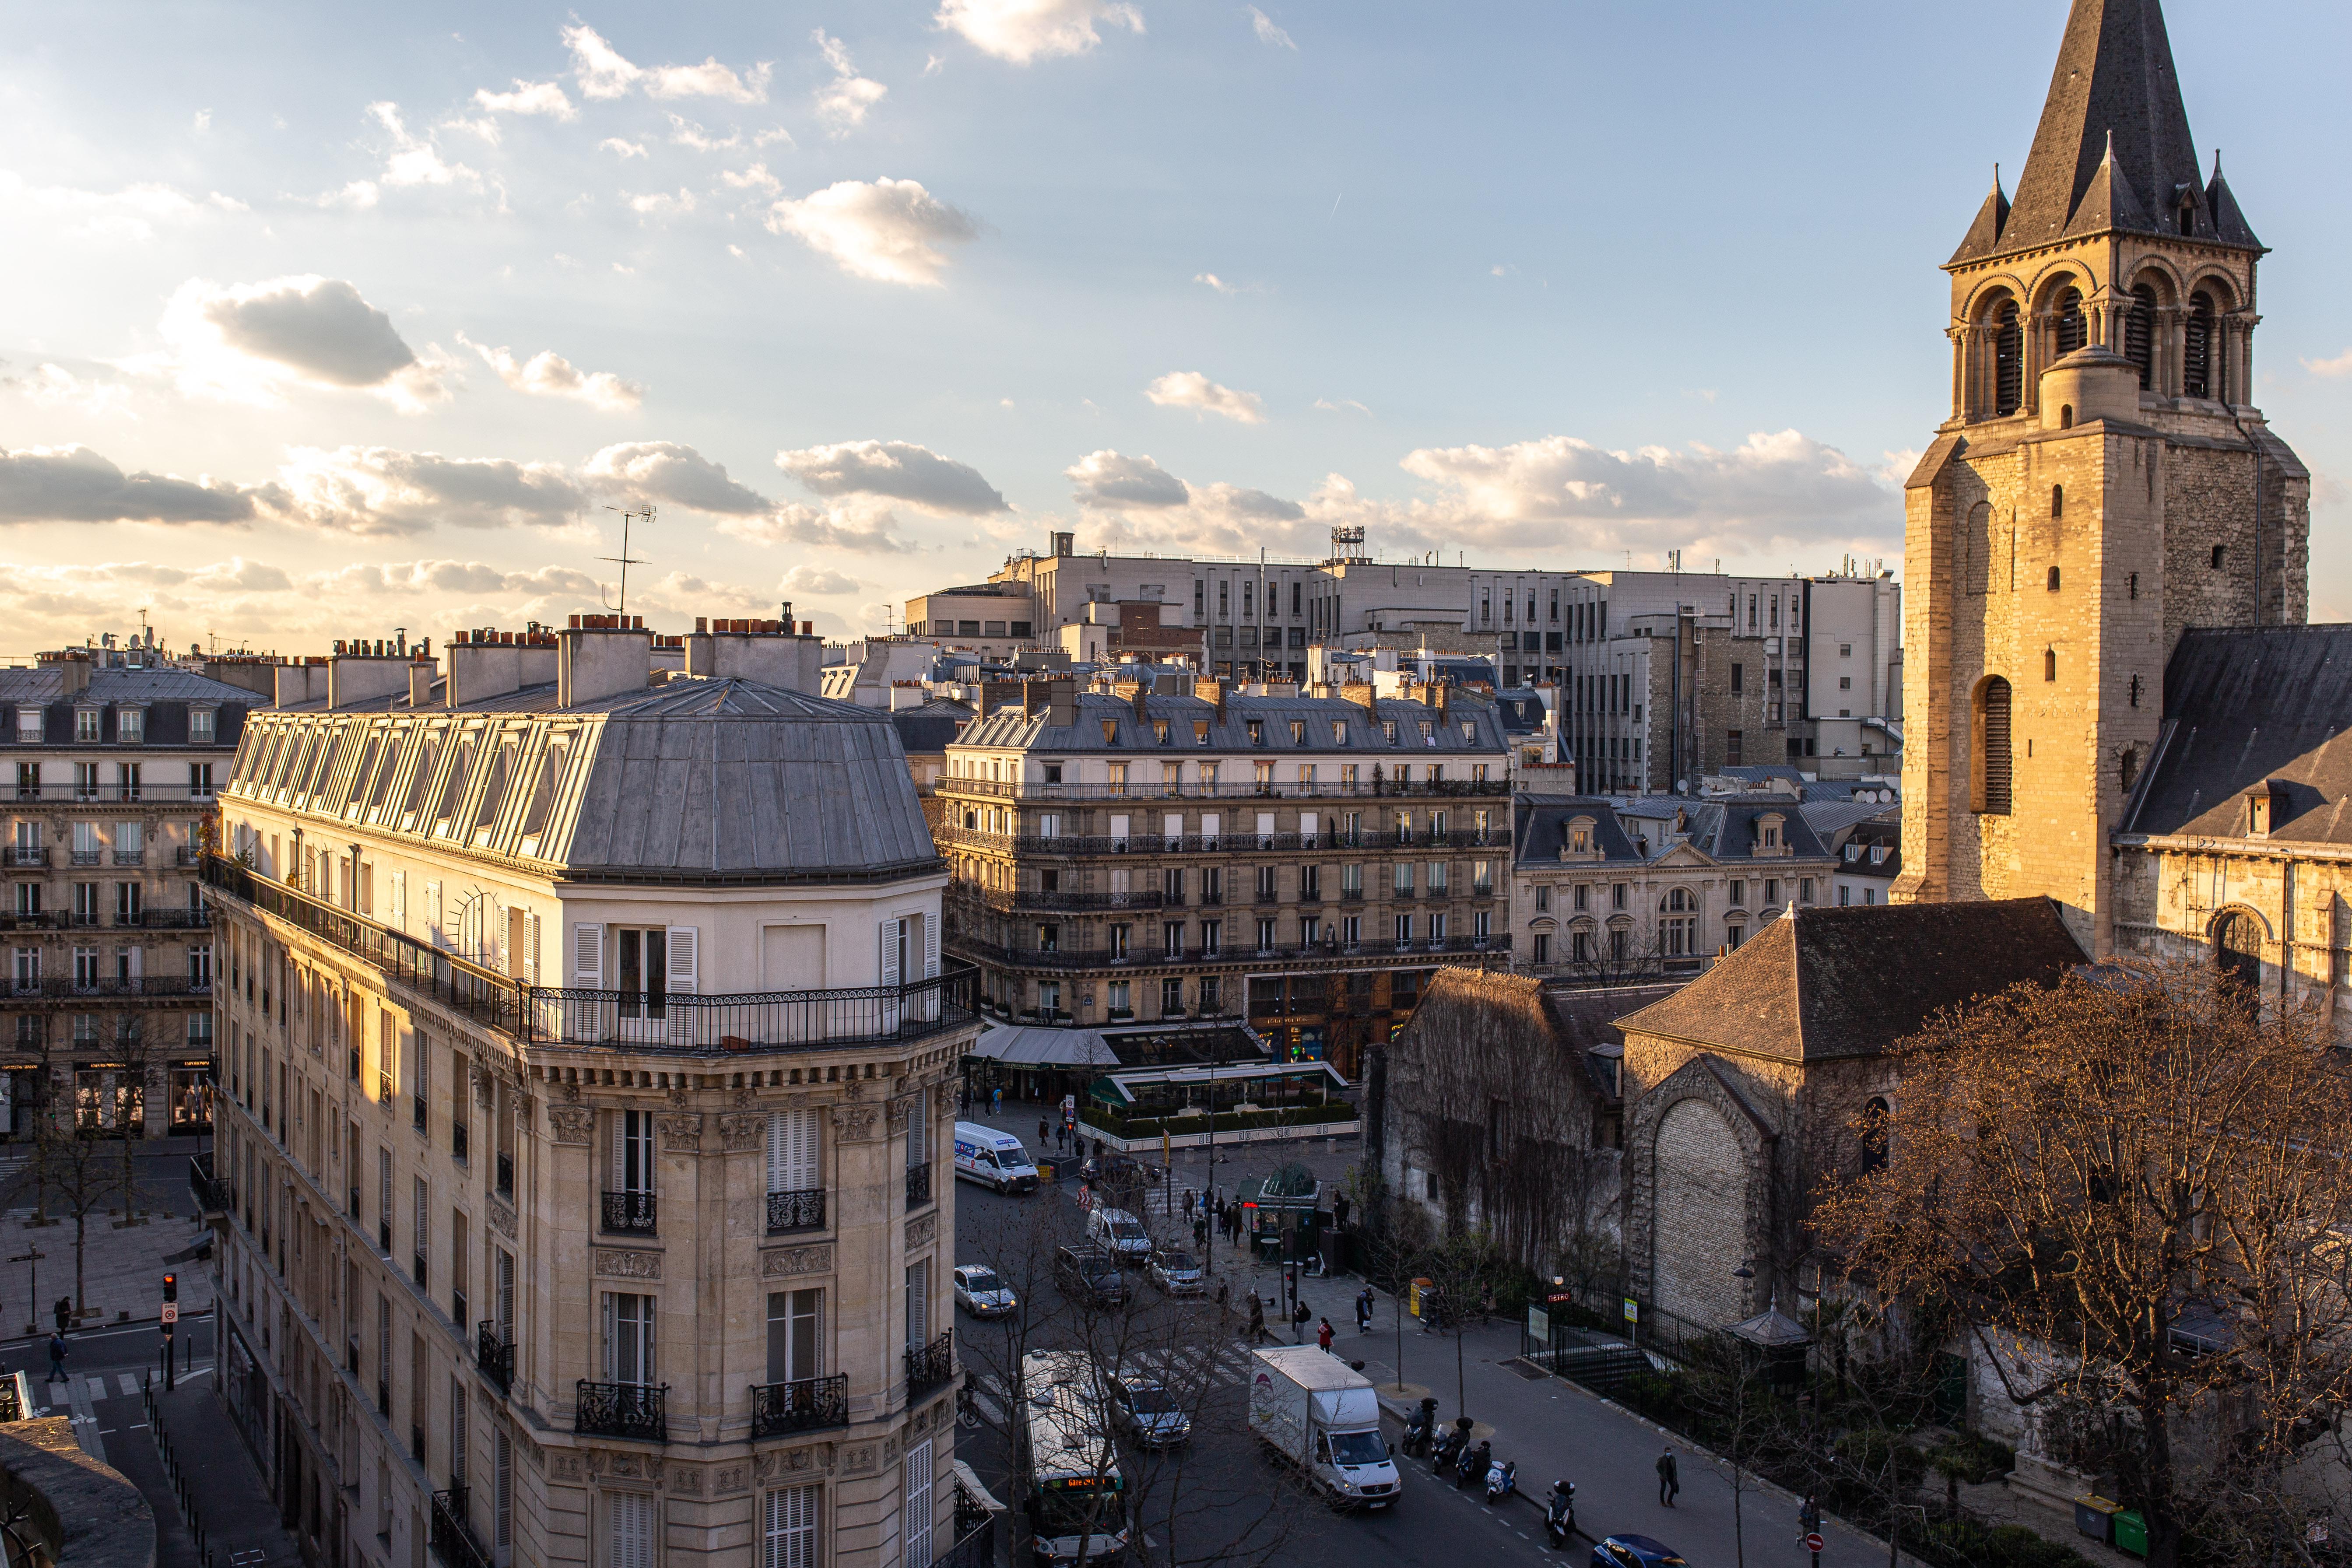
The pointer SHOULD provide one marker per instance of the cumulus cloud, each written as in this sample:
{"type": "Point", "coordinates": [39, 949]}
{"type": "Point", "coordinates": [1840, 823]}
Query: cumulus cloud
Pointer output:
{"type": "Point", "coordinates": [445, 577]}
{"type": "Point", "coordinates": [1022, 30]}
{"type": "Point", "coordinates": [893, 231]}
{"type": "Point", "coordinates": [384, 491]}
{"type": "Point", "coordinates": [54, 386]}
{"type": "Point", "coordinates": [685, 132]}
{"type": "Point", "coordinates": [815, 580]}
{"type": "Point", "coordinates": [900, 470]}
{"type": "Point", "coordinates": [668, 471]}
{"type": "Point", "coordinates": [549, 374]}
{"type": "Point", "coordinates": [413, 160]}
{"type": "Point", "coordinates": [867, 527]}
{"type": "Point", "coordinates": [1190, 389]}
{"type": "Point", "coordinates": [252, 341]}
{"type": "Point", "coordinates": [1108, 478]}
{"type": "Point", "coordinates": [1268, 33]}
{"type": "Point", "coordinates": [604, 72]}
{"type": "Point", "coordinates": [661, 204]}
{"type": "Point", "coordinates": [755, 178]}
{"type": "Point", "coordinates": [621, 148]}
{"type": "Point", "coordinates": [74, 484]}
{"type": "Point", "coordinates": [130, 214]}
{"type": "Point", "coordinates": [844, 103]}
{"type": "Point", "coordinates": [528, 98]}
{"type": "Point", "coordinates": [2340, 365]}
{"type": "Point", "coordinates": [1331, 407]}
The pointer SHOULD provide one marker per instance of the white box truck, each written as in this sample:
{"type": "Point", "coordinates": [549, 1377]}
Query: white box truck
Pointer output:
{"type": "Point", "coordinates": [1320, 1413]}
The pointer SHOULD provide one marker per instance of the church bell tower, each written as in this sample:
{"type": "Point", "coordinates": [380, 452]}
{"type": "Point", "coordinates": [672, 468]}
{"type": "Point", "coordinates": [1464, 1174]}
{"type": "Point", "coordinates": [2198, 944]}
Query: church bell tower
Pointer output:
{"type": "Point", "coordinates": [2104, 483]}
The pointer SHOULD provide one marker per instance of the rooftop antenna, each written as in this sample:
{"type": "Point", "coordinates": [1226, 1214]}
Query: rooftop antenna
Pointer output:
{"type": "Point", "coordinates": [624, 560]}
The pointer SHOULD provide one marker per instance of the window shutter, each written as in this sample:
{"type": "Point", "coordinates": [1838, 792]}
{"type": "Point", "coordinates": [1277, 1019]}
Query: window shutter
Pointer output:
{"type": "Point", "coordinates": [685, 956]}
{"type": "Point", "coordinates": [530, 949]}
{"type": "Point", "coordinates": [779, 1143]}
{"type": "Point", "coordinates": [588, 957]}
{"type": "Point", "coordinates": [918, 1504]}
{"type": "Point", "coordinates": [892, 930]}
{"type": "Point", "coordinates": [931, 946]}
{"type": "Point", "coordinates": [613, 1372]}
{"type": "Point", "coordinates": [632, 1530]}
{"type": "Point", "coordinates": [791, 1150]}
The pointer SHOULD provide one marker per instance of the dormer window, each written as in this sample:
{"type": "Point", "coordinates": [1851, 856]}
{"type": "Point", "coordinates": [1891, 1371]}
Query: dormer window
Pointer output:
{"type": "Point", "coordinates": [130, 725]}
{"type": "Point", "coordinates": [1338, 732]}
{"type": "Point", "coordinates": [85, 724]}
{"type": "Point", "coordinates": [201, 722]}
{"type": "Point", "coordinates": [1111, 732]}
{"type": "Point", "coordinates": [1428, 733]}
{"type": "Point", "coordinates": [29, 725]}
{"type": "Point", "coordinates": [2264, 804]}
{"type": "Point", "coordinates": [1160, 731]}
{"type": "Point", "coordinates": [1853, 853]}
{"type": "Point", "coordinates": [1388, 730]}
{"type": "Point", "coordinates": [1256, 732]}
{"type": "Point", "coordinates": [1199, 731]}
{"type": "Point", "coordinates": [1298, 731]}
{"type": "Point", "coordinates": [1878, 854]}
{"type": "Point", "coordinates": [1768, 832]}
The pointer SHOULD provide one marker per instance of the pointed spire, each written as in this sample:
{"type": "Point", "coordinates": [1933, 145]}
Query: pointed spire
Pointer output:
{"type": "Point", "coordinates": [2114, 95]}
{"type": "Point", "coordinates": [1984, 235]}
{"type": "Point", "coordinates": [2229, 226]}
{"type": "Point", "coordinates": [2107, 202]}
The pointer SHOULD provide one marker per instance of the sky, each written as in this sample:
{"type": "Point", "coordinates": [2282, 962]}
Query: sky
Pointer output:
{"type": "Point", "coordinates": [318, 322]}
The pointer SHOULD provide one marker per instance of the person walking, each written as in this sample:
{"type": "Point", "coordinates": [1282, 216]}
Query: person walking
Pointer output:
{"type": "Point", "coordinates": [1808, 1518]}
{"type": "Point", "coordinates": [63, 1311]}
{"type": "Point", "coordinates": [1188, 1203]}
{"type": "Point", "coordinates": [1364, 1310]}
{"type": "Point", "coordinates": [1045, 1136]}
{"type": "Point", "coordinates": [1323, 1333]}
{"type": "Point", "coordinates": [996, 1100]}
{"type": "Point", "coordinates": [1201, 1233]}
{"type": "Point", "coordinates": [1669, 1479]}
{"type": "Point", "coordinates": [1256, 1329]}
{"type": "Point", "coordinates": [58, 1357]}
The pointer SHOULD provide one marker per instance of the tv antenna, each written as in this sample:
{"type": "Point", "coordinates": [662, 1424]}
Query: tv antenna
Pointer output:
{"type": "Point", "coordinates": [624, 560]}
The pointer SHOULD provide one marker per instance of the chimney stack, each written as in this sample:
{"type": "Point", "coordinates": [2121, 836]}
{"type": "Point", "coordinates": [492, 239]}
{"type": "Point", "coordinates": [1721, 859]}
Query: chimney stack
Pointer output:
{"type": "Point", "coordinates": [420, 682]}
{"type": "Point", "coordinates": [487, 663]}
{"type": "Point", "coordinates": [767, 651]}
{"type": "Point", "coordinates": [598, 656]}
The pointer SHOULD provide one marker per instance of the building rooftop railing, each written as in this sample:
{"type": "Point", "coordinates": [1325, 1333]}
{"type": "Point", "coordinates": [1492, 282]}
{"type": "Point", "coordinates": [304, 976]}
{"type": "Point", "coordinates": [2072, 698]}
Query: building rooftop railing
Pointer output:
{"type": "Point", "coordinates": [1376, 950]}
{"type": "Point", "coordinates": [1366, 787]}
{"type": "Point", "coordinates": [1336, 838]}
{"type": "Point", "coordinates": [641, 1021]}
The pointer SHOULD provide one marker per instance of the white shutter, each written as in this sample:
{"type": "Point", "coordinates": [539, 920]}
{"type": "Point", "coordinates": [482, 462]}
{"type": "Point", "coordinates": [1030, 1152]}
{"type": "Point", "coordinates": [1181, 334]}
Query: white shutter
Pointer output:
{"type": "Point", "coordinates": [779, 1150]}
{"type": "Point", "coordinates": [685, 949]}
{"type": "Point", "coordinates": [788, 1530]}
{"type": "Point", "coordinates": [530, 949]}
{"type": "Point", "coordinates": [1307, 824]}
{"type": "Point", "coordinates": [1209, 823]}
{"type": "Point", "coordinates": [791, 1150]}
{"type": "Point", "coordinates": [919, 1305]}
{"type": "Point", "coordinates": [400, 899]}
{"type": "Point", "coordinates": [1265, 830]}
{"type": "Point", "coordinates": [588, 957]}
{"type": "Point", "coordinates": [931, 946]}
{"type": "Point", "coordinates": [632, 1530]}
{"type": "Point", "coordinates": [502, 1498]}
{"type": "Point", "coordinates": [919, 1505]}
{"type": "Point", "coordinates": [613, 1372]}
{"type": "Point", "coordinates": [894, 938]}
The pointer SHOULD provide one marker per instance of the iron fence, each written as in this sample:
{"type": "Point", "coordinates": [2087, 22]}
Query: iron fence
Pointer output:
{"type": "Point", "coordinates": [928, 1366]}
{"type": "Point", "coordinates": [452, 1539]}
{"type": "Point", "coordinates": [802, 1407]}
{"type": "Point", "coordinates": [622, 1410]}
{"type": "Point", "coordinates": [494, 1353]}
{"type": "Point", "coordinates": [800, 1210]}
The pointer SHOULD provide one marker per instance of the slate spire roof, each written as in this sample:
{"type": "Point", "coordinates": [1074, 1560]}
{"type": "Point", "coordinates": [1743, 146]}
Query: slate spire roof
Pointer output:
{"type": "Point", "coordinates": [2112, 151]}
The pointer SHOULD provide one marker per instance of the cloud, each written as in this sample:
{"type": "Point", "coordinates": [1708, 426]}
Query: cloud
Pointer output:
{"type": "Point", "coordinates": [1022, 30]}
{"type": "Point", "coordinates": [431, 576]}
{"type": "Point", "coordinates": [358, 196]}
{"type": "Point", "coordinates": [129, 213]}
{"type": "Point", "coordinates": [644, 471]}
{"type": "Point", "coordinates": [898, 469]}
{"type": "Point", "coordinates": [1190, 389]}
{"type": "Point", "coordinates": [604, 72]}
{"type": "Point", "coordinates": [1268, 33]}
{"type": "Point", "coordinates": [2339, 366]}
{"type": "Point", "coordinates": [893, 231]}
{"type": "Point", "coordinates": [755, 178]}
{"type": "Point", "coordinates": [1213, 281]}
{"type": "Point", "coordinates": [549, 374]}
{"type": "Point", "coordinates": [55, 387]}
{"type": "Point", "coordinates": [867, 527]}
{"type": "Point", "coordinates": [1333, 407]}
{"type": "Point", "coordinates": [615, 145]}
{"type": "Point", "coordinates": [815, 580]}
{"type": "Point", "coordinates": [661, 204]}
{"type": "Point", "coordinates": [1113, 480]}
{"type": "Point", "coordinates": [842, 103]}
{"type": "Point", "coordinates": [528, 98]}
{"type": "Point", "coordinates": [384, 491]}
{"type": "Point", "coordinates": [252, 341]}
{"type": "Point", "coordinates": [413, 161]}
{"type": "Point", "coordinates": [74, 484]}
{"type": "Point", "coordinates": [687, 134]}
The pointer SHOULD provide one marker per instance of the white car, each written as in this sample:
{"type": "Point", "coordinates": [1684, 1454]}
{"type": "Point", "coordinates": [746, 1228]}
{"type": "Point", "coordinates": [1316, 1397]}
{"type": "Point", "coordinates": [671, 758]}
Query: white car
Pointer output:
{"type": "Point", "coordinates": [1120, 1233]}
{"type": "Point", "coordinates": [979, 1291]}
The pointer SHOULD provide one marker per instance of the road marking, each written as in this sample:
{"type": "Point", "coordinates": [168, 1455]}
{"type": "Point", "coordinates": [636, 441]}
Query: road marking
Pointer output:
{"type": "Point", "coordinates": [130, 1384]}
{"type": "Point", "coordinates": [987, 1407]}
{"type": "Point", "coordinates": [98, 1389]}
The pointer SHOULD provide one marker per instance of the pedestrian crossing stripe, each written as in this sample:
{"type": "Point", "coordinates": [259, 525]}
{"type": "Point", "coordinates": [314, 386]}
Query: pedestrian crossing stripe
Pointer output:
{"type": "Point", "coordinates": [1190, 1365]}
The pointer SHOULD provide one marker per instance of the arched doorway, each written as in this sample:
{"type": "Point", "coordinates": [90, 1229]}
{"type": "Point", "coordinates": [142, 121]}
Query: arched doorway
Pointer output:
{"type": "Point", "coordinates": [2237, 948]}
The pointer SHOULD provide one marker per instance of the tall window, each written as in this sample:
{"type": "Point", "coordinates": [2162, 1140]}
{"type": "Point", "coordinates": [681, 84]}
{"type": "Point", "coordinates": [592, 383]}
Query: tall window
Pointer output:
{"type": "Point", "coordinates": [633, 1150]}
{"type": "Point", "coordinates": [1975, 567]}
{"type": "Point", "coordinates": [628, 1338]}
{"type": "Point", "coordinates": [792, 1152]}
{"type": "Point", "coordinates": [917, 1490]}
{"type": "Point", "coordinates": [788, 1517]}
{"type": "Point", "coordinates": [2198, 362]}
{"type": "Point", "coordinates": [2139, 334]}
{"type": "Point", "coordinates": [1992, 771]}
{"type": "Point", "coordinates": [795, 1335]}
{"type": "Point", "coordinates": [632, 1530]}
{"type": "Point", "coordinates": [2008, 362]}
{"type": "Point", "coordinates": [2072, 332]}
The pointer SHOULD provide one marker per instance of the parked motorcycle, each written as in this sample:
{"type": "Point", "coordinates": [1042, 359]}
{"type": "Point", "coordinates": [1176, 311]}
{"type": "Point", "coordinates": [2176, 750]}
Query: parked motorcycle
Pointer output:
{"type": "Point", "coordinates": [1501, 1480]}
{"type": "Point", "coordinates": [1448, 1449]}
{"type": "Point", "coordinates": [1418, 1427]}
{"type": "Point", "coordinates": [1560, 1514]}
{"type": "Point", "coordinates": [1473, 1466]}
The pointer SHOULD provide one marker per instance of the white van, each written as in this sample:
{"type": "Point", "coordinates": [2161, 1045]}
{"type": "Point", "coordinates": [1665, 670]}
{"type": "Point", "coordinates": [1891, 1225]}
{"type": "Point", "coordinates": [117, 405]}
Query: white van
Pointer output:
{"type": "Point", "coordinates": [997, 1158]}
{"type": "Point", "coordinates": [1120, 1233]}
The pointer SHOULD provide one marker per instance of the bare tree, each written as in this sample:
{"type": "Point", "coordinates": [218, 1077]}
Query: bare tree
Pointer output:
{"type": "Point", "coordinates": [2137, 1174]}
{"type": "Point", "coordinates": [134, 1049]}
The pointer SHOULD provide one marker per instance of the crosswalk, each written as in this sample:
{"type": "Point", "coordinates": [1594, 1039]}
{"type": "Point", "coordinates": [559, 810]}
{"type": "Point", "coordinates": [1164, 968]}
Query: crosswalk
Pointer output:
{"type": "Point", "coordinates": [1186, 1367]}
{"type": "Point", "coordinates": [84, 1395]}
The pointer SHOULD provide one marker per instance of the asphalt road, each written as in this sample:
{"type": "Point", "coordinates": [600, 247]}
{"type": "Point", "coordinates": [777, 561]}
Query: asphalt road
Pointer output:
{"type": "Point", "coordinates": [1219, 1497]}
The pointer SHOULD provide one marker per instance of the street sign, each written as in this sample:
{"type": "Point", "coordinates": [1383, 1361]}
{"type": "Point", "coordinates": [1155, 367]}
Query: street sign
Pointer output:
{"type": "Point", "coordinates": [1813, 1542]}
{"type": "Point", "coordinates": [1633, 1310]}
{"type": "Point", "coordinates": [170, 1312]}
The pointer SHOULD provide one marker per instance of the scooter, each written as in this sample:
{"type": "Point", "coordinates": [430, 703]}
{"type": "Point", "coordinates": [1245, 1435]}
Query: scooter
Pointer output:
{"type": "Point", "coordinates": [1448, 1451]}
{"type": "Point", "coordinates": [1417, 1429]}
{"type": "Point", "coordinates": [1473, 1466]}
{"type": "Point", "coordinates": [1501, 1480]}
{"type": "Point", "coordinates": [1560, 1514]}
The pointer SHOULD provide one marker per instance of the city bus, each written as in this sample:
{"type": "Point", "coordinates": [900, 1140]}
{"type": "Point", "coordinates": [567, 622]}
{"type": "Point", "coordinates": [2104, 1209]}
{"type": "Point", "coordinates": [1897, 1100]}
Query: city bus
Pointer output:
{"type": "Point", "coordinates": [1077, 1495]}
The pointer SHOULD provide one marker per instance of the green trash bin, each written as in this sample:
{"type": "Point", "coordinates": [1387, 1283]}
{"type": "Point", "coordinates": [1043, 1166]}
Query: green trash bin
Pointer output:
{"type": "Point", "coordinates": [2131, 1533]}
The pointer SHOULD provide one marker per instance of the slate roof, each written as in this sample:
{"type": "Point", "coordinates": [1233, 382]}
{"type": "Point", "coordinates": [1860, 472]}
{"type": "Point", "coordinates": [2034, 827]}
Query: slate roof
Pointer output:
{"type": "Point", "coordinates": [46, 684]}
{"type": "Point", "coordinates": [1721, 829]}
{"type": "Point", "coordinates": [1008, 729]}
{"type": "Point", "coordinates": [2113, 149]}
{"type": "Point", "coordinates": [931, 726]}
{"type": "Point", "coordinates": [1828, 818]}
{"type": "Point", "coordinates": [2243, 706]}
{"type": "Point", "coordinates": [1821, 982]}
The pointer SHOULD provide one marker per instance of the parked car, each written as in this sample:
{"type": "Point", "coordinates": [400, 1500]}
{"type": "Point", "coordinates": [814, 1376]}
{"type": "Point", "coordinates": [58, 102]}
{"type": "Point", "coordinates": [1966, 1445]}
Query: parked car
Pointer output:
{"type": "Point", "coordinates": [1176, 1273]}
{"type": "Point", "coordinates": [979, 1291]}
{"type": "Point", "coordinates": [1088, 1277]}
{"type": "Point", "coordinates": [1119, 1233]}
{"type": "Point", "coordinates": [1148, 1411]}
{"type": "Point", "coordinates": [1635, 1551]}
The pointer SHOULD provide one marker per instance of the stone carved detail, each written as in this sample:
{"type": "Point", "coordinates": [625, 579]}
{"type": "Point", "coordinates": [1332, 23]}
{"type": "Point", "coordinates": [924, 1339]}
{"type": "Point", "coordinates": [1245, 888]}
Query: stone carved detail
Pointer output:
{"type": "Point", "coordinates": [923, 1230]}
{"type": "Point", "coordinates": [943, 1100]}
{"type": "Point", "coordinates": [859, 1460]}
{"type": "Point", "coordinates": [686, 1481]}
{"type": "Point", "coordinates": [502, 1216]}
{"type": "Point", "coordinates": [793, 1260]}
{"type": "Point", "coordinates": [596, 1461]}
{"type": "Point", "coordinates": [523, 1104]}
{"type": "Point", "coordinates": [611, 1264]}
{"type": "Point", "coordinates": [803, 1460]}
{"type": "Point", "coordinates": [566, 1468]}
{"type": "Point", "coordinates": [855, 1124]}
{"type": "Point", "coordinates": [677, 1092]}
{"type": "Point", "coordinates": [740, 1133]}
{"type": "Point", "coordinates": [571, 1094]}
{"type": "Point", "coordinates": [680, 1134]}
{"type": "Point", "coordinates": [729, 1478]}
{"type": "Point", "coordinates": [624, 1466]}
{"type": "Point", "coordinates": [570, 1123]}
{"type": "Point", "coordinates": [743, 1097]}
{"type": "Point", "coordinates": [899, 1110]}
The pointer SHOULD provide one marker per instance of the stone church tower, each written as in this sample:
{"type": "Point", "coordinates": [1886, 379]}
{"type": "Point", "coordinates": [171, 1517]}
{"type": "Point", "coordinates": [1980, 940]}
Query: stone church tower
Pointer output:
{"type": "Point", "coordinates": [2103, 484]}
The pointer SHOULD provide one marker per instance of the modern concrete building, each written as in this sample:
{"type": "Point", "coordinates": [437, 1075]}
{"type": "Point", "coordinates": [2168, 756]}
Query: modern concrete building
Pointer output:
{"type": "Point", "coordinates": [1303, 863]}
{"type": "Point", "coordinates": [583, 1176]}
{"type": "Point", "coordinates": [108, 766]}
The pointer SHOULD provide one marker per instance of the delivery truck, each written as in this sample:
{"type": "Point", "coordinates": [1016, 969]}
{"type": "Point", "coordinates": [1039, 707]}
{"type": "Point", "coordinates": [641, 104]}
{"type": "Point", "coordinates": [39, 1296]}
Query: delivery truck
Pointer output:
{"type": "Point", "coordinates": [1319, 1413]}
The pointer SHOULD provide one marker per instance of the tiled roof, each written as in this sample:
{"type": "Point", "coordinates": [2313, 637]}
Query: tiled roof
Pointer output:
{"type": "Point", "coordinates": [2246, 706]}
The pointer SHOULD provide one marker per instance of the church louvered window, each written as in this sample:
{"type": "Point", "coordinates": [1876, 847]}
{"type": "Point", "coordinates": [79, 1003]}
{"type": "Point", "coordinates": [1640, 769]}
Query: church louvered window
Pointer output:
{"type": "Point", "coordinates": [2139, 334]}
{"type": "Point", "coordinates": [1975, 566]}
{"type": "Point", "coordinates": [2008, 363]}
{"type": "Point", "coordinates": [2197, 377]}
{"type": "Point", "coordinates": [1992, 753]}
{"type": "Point", "coordinates": [2072, 331]}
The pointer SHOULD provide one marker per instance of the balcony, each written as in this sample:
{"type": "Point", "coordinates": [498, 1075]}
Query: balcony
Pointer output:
{"type": "Point", "coordinates": [918, 1185]}
{"type": "Point", "coordinates": [803, 1210]}
{"type": "Point", "coordinates": [26, 854]}
{"type": "Point", "coordinates": [87, 857]}
{"type": "Point", "coordinates": [452, 1539]}
{"type": "Point", "coordinates": [813, 1403]}
{"type": "Point", "coordinates": [494, 1354]}
{"type": "Point", "coordinates": [620, 1410]}
{"type": "Point", "coordinates": [130, 857]}
{"type": "Point", "coordinates": [210, 1197]}
{"type": "Point", "coordinates": [929, 1365]}
{"type": "Point", "coordinates": [187, 855]}
{"type": "Point", "coordinates": [628, 1213]}
{"type": "Point", "coordinates": [1144, 790]}
{"type": "Point", "coordinates": [644, 1022]}
{"type": "Point", "coordinates": [61, 989]}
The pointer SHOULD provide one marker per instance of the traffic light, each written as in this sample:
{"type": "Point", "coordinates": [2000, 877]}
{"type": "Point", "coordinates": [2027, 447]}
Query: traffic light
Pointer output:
{"type": "Point", "coordinates": [171, 1287]}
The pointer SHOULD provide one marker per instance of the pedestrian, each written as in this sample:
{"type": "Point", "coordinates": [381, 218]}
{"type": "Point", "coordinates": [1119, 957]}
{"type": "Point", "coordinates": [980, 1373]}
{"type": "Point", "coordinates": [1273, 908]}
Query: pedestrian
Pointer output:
{"type": "Point", "coordinates": [1669, 1479]}
{"type": "Point", "coordinates": [1224, 1299]}
{"type": "Point", "coordinates": [58, 1357]}
{"type": "Point", "coordinates": [1201, 1233]}
{"type": "Point", "coordinates": [1188, 1203]}
{"type": "Point", "coordinates": [64, 1312]}
{"type": "Point", "coordinates": [1045, 1136]}
{"type": "Point", "coordinates": [1340, 1210]}
{"type": "Point", "coordinates": [1257, 1329]}
{"type": "Point", "coordinates": [1323, 1333]}
{"type": "Point", "coordinates": [996, 1100]}
{"type": "Point", "coordinates": [1364, 1310]}
{"type": "Point", "coordinates": [1099, 1150]}
{"type": "Point", "coordinates": [1808, 1518]}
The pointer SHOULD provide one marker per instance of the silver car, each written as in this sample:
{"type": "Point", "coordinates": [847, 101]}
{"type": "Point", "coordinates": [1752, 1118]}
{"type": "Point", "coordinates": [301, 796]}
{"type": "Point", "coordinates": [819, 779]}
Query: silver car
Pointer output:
{"type": "Point", "coordinates": [1149, 1412]}
{"type": "Point", "coordinates": [979, 1291]}
{"type": "Point", "coordinates": [1177, 1273]}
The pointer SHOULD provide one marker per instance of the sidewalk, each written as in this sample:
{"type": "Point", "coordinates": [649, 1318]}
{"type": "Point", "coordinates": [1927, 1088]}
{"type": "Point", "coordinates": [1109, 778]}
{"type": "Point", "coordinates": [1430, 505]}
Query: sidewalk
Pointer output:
{"type": "Point", "coordinates": [122, 1267]}
{"type": "Point", "coordinates": [240, 1522]}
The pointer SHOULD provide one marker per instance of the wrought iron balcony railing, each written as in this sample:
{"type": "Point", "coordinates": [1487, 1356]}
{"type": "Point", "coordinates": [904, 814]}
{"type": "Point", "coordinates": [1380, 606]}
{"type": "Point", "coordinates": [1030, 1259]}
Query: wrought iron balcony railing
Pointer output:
{"type": "Point", "coordinates": [803, 1210]}
{"type": "Point", "coordinates": [928, 1366]}
{"type": "Point", "coordinates": [452, 1538]}
{"type": "Point", "coordinates": [209, 1197]}
{"type": "Point", "coordinates": [918, 1185]}
{"type": "Point", "coordinates": [629, 1213]}
{"type": "Point", "coordinates": [494, 1355]}
{"type": "Point", "coordinates": [622, 1410]}
{"type": "Point", "coordinates": [803, 1406]}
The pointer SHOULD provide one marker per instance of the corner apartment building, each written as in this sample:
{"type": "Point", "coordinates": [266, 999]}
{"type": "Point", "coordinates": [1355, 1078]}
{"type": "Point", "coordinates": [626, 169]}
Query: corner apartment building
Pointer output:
{"type": "Point", "coordinates": [1305, 863]}
{"type": "Point", "coordinates": [108, 764]}
{"type": "Point", "coordinates": [582, 1174]}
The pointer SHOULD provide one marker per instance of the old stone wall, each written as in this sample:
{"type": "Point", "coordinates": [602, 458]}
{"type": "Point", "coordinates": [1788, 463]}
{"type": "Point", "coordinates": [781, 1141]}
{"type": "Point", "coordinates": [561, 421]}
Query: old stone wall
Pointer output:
{"type": "Point", "coordinates": [2170, 897]}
